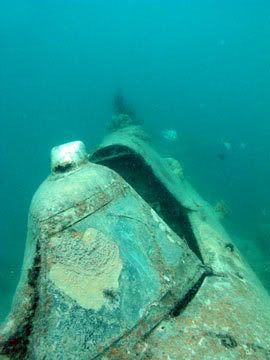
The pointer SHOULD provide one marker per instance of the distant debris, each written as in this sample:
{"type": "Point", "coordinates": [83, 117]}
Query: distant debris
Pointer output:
{"type": "Point", "coordinates": [170, 135]}
{"type": "Point", "coordinates": [124, 114]}
{"type": "Point", "coordinates": [120, 121]}
{"type": "Point", "coordinates": [120, 106]}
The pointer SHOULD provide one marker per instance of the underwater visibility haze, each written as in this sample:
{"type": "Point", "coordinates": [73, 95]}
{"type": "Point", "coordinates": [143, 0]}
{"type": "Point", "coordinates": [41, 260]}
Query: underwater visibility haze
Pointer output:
{"type": "Point", "coordinates": [196, 74]}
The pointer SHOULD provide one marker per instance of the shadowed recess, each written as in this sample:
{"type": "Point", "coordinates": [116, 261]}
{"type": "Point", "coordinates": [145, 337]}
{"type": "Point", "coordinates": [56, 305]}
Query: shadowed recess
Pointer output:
{"type": "Point", "coordinates": [140, 176]}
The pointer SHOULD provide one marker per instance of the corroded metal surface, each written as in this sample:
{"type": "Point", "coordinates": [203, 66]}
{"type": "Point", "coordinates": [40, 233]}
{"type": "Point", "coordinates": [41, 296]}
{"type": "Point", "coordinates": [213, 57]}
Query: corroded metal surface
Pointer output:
{"type": "Point", "coordinates": [229, 315]}
{"type": "Point", "coordinates": [100, 266]}
{"type": "Point", "coordinates": [227, 319]}
{"type": "Point", "coordinates": [140, 271]}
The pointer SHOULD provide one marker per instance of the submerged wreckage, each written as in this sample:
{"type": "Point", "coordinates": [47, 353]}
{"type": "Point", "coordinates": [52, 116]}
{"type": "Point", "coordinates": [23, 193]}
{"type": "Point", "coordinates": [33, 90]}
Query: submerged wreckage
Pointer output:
{"type": "Point", "coordinates": [124, 260]}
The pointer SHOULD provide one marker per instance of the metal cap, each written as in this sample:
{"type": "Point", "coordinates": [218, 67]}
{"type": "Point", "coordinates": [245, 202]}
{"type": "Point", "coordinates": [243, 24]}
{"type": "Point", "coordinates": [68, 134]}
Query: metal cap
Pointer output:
{"type": "Point", "coordinates": [67, 157]}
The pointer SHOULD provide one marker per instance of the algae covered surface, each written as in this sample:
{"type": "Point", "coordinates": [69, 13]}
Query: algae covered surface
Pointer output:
{"type": "Point", "coordinates": [195, 74]}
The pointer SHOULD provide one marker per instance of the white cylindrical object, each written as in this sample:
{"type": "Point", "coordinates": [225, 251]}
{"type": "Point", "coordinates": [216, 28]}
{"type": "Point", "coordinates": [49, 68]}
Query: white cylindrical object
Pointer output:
{"type": "Point", "coordinates": [67, 157]}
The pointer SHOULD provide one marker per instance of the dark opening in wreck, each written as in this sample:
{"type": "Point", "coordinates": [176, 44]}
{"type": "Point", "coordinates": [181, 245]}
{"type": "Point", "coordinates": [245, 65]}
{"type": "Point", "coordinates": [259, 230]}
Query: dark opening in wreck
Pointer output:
{"type": "Point", "coordinates": [133, 168]}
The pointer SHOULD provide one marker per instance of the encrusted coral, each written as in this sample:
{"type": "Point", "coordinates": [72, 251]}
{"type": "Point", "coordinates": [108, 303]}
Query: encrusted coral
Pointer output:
{"type": "Point", "coordinates": [222, 209]}
{"type": "Point", "coordinates": [176, 167]}
{"type": "Point", "coordinates": [85, 267]}
{"type": "Point", "coordinates": [120, 121]}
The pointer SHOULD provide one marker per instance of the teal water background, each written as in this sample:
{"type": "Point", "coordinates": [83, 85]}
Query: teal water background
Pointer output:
{"type": "Point", "coordinates": [200, 67]}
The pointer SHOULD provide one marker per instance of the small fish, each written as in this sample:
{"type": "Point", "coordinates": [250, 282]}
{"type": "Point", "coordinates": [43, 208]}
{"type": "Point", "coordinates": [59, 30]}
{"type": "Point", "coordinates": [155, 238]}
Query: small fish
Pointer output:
{"type": "Point", "coordinates": [264, 212]}
{"type": "Point", "coordinates": [221, 156]}
{"type": "Point", "coordinates": [243, 145]}
{"type": "Point", "coordinates": [221, 42]}
{"type": "Point", "coordinates": [227, 145]}
{"type": "Point", "coordinates": [170, 135]}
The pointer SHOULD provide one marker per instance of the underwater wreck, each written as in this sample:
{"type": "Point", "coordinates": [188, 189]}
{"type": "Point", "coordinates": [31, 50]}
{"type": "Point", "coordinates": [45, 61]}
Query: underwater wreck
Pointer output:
{"type": "Point", "coordinates": [125, 260]}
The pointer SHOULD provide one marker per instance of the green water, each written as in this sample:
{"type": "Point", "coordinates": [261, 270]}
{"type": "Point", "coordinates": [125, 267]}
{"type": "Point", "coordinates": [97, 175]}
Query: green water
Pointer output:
{"type": "Point", "coordinates": [200, 67]}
